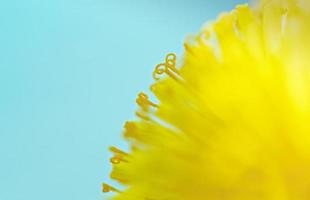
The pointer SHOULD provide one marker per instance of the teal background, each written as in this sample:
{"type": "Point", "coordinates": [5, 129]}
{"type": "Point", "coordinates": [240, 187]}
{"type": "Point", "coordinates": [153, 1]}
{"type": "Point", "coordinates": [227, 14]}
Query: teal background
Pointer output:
{"type": "Point", "coordinates": [69, 74]}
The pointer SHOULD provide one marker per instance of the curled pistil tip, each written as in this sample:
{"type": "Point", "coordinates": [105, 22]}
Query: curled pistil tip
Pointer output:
{"type": "Point", "coordinates": [168, 67]}
{"type": "Point", "coordinates": [144, 102]}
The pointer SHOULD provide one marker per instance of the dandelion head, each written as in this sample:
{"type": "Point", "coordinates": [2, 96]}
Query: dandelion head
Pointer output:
{"type": "Point", "coordinates": [231, 120]}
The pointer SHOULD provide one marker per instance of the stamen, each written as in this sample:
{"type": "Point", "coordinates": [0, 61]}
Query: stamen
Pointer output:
{"type": "Point", "coordinates": [130, 126]}
{"type": "Point", "coordinates": [119, 155]}
{"type": "Point", "coordinates": [143, 101]}
{"type": "Point", "coordinates": [142, 116]}
{"type": "Point", "coordinates": [117, 159]}
{"type": "Point", "coordinates": [168, 67]}
{"type": "Point", "coordinates": [188, 48]}
{"type": "Point", "coordinates": [117, 151]}
{"type": "Point", "coordinates": [108, 188]}
{"type": "Point", "coordinates": [284, 13]}
{"type": "Point", "coordinates": [130, 129]}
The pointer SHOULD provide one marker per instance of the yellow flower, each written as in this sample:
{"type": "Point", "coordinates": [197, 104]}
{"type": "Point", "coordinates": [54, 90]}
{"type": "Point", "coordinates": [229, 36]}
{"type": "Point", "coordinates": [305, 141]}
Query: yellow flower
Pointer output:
{"type": "Point", "coordinates": [232, 120]}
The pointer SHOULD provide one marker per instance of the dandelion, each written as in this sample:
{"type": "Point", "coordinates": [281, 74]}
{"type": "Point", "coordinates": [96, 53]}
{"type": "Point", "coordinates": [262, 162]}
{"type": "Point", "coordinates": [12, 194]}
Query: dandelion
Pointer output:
{"type": "Point", "coordinates": [232, 122]}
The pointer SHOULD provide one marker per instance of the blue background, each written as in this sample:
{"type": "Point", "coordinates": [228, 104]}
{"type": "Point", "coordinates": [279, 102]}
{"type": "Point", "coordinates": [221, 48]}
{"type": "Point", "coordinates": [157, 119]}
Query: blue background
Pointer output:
{"type": "Point", "coordinates": [69, 74]}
